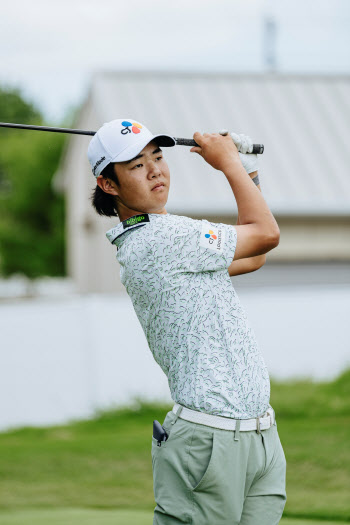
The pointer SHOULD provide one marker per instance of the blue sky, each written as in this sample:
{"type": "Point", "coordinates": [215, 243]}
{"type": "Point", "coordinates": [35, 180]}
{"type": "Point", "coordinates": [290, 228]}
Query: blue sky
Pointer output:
{"type": "Point", "coordinates": [50, 48]}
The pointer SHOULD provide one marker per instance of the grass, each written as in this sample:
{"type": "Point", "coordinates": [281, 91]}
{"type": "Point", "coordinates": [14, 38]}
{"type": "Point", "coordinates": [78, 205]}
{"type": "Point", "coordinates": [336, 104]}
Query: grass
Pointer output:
{"type": "Point", "coordinates": [67, 474]}
{"type": "Point", "coordinates": [102, 517]}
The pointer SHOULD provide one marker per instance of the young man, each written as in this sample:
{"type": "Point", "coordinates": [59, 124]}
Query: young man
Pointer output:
{"type": "Point", "coordinates": [222, 461]}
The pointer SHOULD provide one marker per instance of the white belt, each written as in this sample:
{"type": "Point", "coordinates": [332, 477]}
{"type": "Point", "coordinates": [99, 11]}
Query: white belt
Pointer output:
{"type": "Point", "coordinates": [259, 423]}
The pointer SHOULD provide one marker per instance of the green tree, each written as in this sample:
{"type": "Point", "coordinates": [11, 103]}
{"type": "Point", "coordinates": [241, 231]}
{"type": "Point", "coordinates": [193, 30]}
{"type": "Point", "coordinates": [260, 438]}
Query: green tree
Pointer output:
{"type": "Point", "coordinates": [13, 108]}
{"type": "Point", "coordinates": [31, 213]}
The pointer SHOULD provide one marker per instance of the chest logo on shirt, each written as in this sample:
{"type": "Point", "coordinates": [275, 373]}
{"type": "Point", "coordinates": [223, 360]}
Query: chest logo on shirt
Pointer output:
{"type": "Point", "coordinates": [212, 238]}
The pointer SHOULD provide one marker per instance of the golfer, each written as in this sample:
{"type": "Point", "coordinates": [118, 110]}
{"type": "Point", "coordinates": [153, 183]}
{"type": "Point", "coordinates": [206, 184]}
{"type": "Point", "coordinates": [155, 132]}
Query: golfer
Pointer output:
{"type": "Point", "coordinates": [220, 461]}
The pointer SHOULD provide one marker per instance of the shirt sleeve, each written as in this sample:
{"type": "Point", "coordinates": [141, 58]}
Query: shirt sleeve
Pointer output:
{"type": "Point", "coordinates": [202, 246]}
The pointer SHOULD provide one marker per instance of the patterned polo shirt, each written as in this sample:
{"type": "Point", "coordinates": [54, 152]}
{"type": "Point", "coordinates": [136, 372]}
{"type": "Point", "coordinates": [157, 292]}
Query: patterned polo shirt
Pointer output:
{"type": "Point", "coordinates": [175, 270]}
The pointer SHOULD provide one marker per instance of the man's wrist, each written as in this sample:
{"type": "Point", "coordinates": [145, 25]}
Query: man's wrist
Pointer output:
{"type": "Point", "coordinates": [255, 177]}
{"type": "Point", "coordinates": [232, 167]}
{"type": "Point", "coordinates": [256, 180]}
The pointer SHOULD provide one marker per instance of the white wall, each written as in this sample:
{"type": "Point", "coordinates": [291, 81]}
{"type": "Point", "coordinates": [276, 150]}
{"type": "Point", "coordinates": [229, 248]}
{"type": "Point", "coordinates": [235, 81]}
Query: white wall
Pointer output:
{"type": "Point", "coordinates": [63, 357]}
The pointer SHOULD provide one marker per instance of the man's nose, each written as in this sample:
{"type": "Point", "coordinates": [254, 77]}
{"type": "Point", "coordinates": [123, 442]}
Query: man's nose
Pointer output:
{"type": "Point", "coordinates": [154, 169]}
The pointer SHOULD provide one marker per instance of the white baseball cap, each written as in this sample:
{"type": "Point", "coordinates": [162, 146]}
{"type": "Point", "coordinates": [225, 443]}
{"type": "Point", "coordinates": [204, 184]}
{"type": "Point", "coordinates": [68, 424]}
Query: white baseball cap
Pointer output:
{"type": "Point", "coordinates": [121, 140]}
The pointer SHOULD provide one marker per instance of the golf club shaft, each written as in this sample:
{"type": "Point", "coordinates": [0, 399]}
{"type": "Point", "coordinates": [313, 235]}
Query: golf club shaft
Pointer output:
{"type": "Point", "coordinates": [257, 148]}
{"type": "Point", "coordinates": [46, 128]}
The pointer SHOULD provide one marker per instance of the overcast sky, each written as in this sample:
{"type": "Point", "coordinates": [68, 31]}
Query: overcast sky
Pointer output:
{"type": "Point", "coordinates": [50, 48]}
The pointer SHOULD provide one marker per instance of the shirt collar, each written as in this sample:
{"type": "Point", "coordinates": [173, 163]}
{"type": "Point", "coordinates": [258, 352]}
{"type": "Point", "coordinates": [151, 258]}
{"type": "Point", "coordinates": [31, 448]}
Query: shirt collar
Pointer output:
{"type": "Point", "coordinates": [129, 224]}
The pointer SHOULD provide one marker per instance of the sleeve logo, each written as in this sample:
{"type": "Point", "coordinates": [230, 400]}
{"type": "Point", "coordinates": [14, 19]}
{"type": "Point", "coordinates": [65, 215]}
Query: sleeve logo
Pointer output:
{"type": "Point", "coordinates": [212, 238]}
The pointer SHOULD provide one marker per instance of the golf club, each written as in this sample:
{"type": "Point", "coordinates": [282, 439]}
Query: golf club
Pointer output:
{"type": "Point", "coordinates": [257, 148]}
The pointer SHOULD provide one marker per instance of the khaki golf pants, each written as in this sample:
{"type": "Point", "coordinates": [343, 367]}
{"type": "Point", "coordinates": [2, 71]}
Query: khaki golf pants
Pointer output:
{"type": "Point", "coordinates": [208, 476]}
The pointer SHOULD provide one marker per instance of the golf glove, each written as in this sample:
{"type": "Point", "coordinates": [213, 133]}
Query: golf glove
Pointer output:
{"type": "Point", "coordinates": [249, 161]}
{"type": "Point", "coordinates": [244, 144]}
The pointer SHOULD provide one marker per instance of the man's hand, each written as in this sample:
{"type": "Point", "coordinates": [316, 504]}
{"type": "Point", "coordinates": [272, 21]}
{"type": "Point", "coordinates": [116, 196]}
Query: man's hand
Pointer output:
{"type": "Point", "coordinates": [217, 150]}
{"type": "Point", "coordinates": [222, 155]}
{"type": "Point", "coordinates": [244, 145]}
{"type": "Point", "coordinates": [249, 161]}
{"type": "Point", "coordinates": [243, 142]}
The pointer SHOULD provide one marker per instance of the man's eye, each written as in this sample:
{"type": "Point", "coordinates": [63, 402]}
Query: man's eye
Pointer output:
{"type": "Point", "coordinates": [137, 165]}
{"type": "Point", "coordinates": [159, 158]}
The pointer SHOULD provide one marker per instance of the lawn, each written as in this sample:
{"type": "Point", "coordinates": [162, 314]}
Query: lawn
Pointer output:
{"type": "Point", "coordinates": [102, 467]}
{"type": "Point", "coordinates": [104, 517]}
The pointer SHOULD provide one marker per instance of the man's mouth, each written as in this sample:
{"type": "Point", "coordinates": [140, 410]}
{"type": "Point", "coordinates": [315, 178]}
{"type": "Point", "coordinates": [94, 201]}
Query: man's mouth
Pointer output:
{"type": "Point", "coordinates": [158, 186]}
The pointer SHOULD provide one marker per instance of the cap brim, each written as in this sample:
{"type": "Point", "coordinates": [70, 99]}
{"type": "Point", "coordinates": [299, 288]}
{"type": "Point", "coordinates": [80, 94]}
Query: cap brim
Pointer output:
{"type": "Point", "coordinates": [131, 151]}
{"type": "Point", "coordinates": [165, 140]}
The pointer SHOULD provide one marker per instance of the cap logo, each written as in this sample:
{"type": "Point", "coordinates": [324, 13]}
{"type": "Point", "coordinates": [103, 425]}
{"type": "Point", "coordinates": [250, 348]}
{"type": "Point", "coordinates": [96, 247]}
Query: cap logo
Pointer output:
{"type": "Point", "coordinates": [135, 127]}
{"type": "Point", "coordinates": [97, 164]}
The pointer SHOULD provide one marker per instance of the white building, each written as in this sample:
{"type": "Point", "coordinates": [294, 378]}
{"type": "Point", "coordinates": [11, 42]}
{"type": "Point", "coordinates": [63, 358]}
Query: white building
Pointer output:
{"type": "Point", "coordinates": [303, 122]}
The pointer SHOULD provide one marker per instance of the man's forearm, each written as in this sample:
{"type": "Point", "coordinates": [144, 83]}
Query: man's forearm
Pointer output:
{"type": "Point", "coordinates": [258, 260]}
{"type": "Point", "coordinates": [252, 207]}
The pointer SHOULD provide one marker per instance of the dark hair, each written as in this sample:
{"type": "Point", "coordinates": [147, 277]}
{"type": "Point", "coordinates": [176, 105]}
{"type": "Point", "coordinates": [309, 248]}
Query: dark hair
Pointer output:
{"type": "Point", "coordinates": [105, 203]}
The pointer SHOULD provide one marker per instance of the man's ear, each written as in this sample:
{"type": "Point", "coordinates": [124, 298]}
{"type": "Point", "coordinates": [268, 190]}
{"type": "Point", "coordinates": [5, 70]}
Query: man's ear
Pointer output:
{"type": "Point", "coordinates": [106, 185]}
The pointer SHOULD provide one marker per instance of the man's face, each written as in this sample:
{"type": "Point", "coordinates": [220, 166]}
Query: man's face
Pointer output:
{"type": "Point", "coordinates": [137, 181]}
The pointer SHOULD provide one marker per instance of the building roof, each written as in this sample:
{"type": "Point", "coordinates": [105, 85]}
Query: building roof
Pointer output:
{"type": "Point", "coordinates": [302, 120]}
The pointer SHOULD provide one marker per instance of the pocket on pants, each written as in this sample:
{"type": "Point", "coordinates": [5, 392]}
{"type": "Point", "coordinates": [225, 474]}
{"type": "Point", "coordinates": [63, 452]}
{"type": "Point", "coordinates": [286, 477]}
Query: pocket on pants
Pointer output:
{"type": "Point", "coordinates": [170, 430]}
{"type": "Point", "coordinates": [169, 462]}
{"type": "Point", "coordinates": [278, 457]}
{"type": "Point", "coordinates": [201, 459]}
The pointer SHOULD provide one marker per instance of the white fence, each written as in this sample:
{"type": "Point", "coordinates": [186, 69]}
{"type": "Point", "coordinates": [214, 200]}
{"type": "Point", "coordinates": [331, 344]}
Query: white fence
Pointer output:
{"type": "Point", "coordinates": [64, 357]}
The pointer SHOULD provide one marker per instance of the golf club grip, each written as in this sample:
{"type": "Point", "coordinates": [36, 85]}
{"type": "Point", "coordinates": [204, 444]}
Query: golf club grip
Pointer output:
{"type": "Point", "coordinates": [257, 148]}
